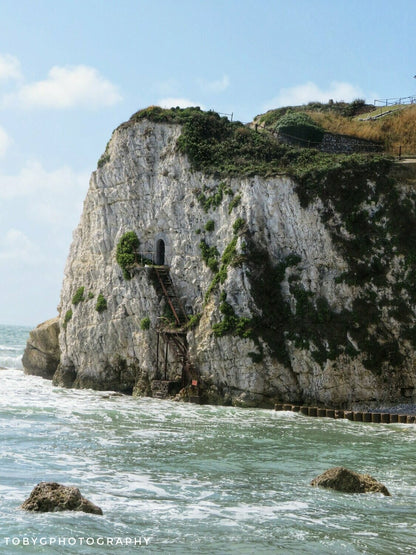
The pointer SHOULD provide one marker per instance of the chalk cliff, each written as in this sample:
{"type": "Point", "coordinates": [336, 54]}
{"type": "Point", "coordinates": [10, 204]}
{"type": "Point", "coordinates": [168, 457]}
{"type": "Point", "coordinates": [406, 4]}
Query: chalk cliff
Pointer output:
{"type": "Point", "coordinates": [42, 355]}
{"type": "Point", "coordinates": [296, 291]}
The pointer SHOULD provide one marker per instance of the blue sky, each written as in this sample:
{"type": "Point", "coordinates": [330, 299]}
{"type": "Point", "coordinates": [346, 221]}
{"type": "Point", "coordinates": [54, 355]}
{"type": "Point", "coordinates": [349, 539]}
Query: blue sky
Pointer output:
{"type": "Point", "coordinates": [72, 70]}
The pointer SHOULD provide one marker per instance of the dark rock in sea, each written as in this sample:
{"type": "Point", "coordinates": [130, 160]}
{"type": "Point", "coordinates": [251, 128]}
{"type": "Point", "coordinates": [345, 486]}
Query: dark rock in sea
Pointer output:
{"type": "Point", "coordinates": [52, 497]}
{"type": "Point", "coordinates": [42, 353]}
{"type": "Point", "coordinates": [348, 481]}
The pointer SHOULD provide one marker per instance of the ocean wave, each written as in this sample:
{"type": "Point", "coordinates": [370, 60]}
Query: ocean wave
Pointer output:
{"type": "Point", "coordinates": [12, 362]}
{"type": "Point", "coordinates": [16, 348]}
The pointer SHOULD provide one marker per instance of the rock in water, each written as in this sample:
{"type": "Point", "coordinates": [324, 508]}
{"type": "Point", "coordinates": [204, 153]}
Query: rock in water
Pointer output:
{"type": "Point", "coordinates": [42, 353]}
{"type": "Point", "coordinates": [52, 497]}
{"type": "Point", "coordinates": [348, 481]}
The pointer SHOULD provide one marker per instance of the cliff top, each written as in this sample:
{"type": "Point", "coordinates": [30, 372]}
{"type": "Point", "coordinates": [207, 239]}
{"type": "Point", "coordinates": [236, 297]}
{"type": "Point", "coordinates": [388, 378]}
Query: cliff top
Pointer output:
{"type": "Point", "coordinates": [215, 145]}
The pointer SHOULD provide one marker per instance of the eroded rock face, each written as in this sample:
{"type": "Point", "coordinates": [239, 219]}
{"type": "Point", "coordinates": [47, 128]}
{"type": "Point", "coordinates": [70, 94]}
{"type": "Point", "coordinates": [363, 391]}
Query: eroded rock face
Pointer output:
{"type": "Point", "coordinates": [52, 497]}
{"type": "Point", "coordinates": [283, 281]}
{"type": "Point", "coordinates": [42, 353]}
{"type": "Point", "coordinates": [348, 481]}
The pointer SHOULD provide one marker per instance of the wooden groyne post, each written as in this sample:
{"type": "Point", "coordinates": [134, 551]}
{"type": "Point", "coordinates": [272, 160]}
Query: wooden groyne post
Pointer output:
{"type": "Point", "coordinates": [355, 416]}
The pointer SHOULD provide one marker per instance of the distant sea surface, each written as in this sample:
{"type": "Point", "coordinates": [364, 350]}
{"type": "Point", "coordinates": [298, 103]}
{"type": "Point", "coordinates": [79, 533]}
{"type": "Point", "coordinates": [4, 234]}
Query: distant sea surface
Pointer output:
{"type": "Point", "coordinates": [178, 478]}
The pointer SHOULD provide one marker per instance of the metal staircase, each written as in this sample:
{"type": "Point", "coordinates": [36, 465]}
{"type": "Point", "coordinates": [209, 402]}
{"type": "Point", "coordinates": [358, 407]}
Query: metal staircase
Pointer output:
{"type": "Point", "coordinates": [166, 285]}
{"type": "Point", "coordinates": [174, 337]}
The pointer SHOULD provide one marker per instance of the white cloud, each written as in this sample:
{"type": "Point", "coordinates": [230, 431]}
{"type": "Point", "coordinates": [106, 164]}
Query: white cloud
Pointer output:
{"type": "Point", "coordinates": [16, 247]}
{"type": "Point", "coordinates": [310, 92]}
{"type": "Point", "coordinates": [5, 142]}
{"type": "Point", "coordinates": [39, 209]}
{"type": "Point", "coordinates": [9, 67]}
{"type": "Point", "coordinates": [33, 179]}
{"type": "Point", "coordinates": [44, 199]}
{"type": "Point", "coordinates": [215, 86]}
{"type": "Point", "coordinates": [174, 102]}
{"type": "Point", "coordinates": [67, 87]}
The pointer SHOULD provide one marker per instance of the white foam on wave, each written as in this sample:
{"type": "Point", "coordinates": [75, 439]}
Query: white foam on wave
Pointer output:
{"type": "Point", "coordinates": [12, 362]}
{"type": "Point", "coordinates": [245, 511]}
{"type": "Point", "coordinates": [16, 348]}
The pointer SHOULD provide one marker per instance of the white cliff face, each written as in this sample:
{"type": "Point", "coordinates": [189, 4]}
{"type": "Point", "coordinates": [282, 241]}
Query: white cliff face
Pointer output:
{"type": "Point", "coordinates": [149, 188]}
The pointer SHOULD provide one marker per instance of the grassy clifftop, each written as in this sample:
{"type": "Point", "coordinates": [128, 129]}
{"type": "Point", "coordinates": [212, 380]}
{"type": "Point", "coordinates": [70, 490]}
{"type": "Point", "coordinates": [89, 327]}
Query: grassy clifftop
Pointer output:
{"type": "Point", "coordinates": [218, 146]}
{"type": "Point", "coordinates": [392, 130]}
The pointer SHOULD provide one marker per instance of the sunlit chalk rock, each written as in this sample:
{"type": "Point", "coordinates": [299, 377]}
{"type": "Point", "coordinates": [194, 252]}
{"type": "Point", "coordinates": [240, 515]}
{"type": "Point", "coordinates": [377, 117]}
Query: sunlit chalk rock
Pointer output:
{"type": "Point", "coordinates": [42, 353]}
{"type": "Point", "coordinates": [291, 305]}
{"type": "Point", "coordinates": [348, 481]}
{"type": "Point", "coordinates": [53, 497]}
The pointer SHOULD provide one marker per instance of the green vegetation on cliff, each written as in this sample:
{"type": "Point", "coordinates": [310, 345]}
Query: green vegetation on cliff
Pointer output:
{"type": "Point", "coordinates": [78, 296]}
{"type": "Point", "coordinates": [372, 222]}
{"type": "Point", "coordinates": [101, 304]}
{"type": "Point", "coordinates": [67, 317]}
{"type": "Point", "coordinates": [215, 145]}
{"type": "Point", "coordinates": [126, 252]}
{"type": "Point", "coordinates": [394, 130]}
{"type": "Point", "coordinates": [300, 126]}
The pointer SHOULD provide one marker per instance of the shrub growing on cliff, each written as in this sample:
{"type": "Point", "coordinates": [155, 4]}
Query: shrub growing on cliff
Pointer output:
{"type": "Point", "coordinates": [126, 252]}
{"type": "Point", "coordinates": [79, 295]}
{"type": "Point", "coordinates": [103, 160]}
{"type": "Point", "coordinates": [301, 127]}
{"type": "Point", "coordinates": [145, 323]}
{"type": "Point", "coordinates": [210, 199]}
{"type": "Point", "coordinates": [209, 226]}
{"type": "Point", "coordinates": [238, 225]}
{"type": "Point", "coordinates": [239, 326]}
{"type": "Point", "coordinates": [105, 157]}
{"type": "Point", "coordinates": [209, 255]}
{"type": "Point", "coordinates": [193, 321]}
{"type": "Point", "coordinates": [163, 115]}
{"type": "Point", "coordinates": [234, 203]}
{"type": "Point", "coordinates": [67, 317]}
{"type": "Point", "coordinates": [101, 304]}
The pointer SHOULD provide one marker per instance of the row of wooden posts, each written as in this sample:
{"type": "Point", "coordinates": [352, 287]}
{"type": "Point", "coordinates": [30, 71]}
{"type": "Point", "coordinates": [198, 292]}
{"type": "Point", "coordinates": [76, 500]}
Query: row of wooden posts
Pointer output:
{"type": "Point", "coordinates": [356, 416]}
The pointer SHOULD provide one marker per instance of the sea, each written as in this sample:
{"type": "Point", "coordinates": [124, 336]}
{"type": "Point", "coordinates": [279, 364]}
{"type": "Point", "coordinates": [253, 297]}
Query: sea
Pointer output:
{"type": "Point", "coordinates": [180, 478]}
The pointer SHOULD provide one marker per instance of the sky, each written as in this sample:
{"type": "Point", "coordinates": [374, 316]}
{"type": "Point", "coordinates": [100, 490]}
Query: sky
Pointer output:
{"type": "Point", "coordinates": [73, 70]}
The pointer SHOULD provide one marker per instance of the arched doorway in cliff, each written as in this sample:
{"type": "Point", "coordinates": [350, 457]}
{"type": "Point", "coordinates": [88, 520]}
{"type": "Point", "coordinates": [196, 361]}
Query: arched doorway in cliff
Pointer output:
{"type": "Point", "coordinates": [160, 252]}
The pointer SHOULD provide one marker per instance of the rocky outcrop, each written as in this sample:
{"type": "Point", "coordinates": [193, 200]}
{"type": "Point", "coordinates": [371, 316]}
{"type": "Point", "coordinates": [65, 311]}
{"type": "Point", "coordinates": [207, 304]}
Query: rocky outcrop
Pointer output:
{"type": "Point", "coordinates": [52, 497]}
{"type": "Point", "coordinates": [148, 187]}
{"type": "Point", "coordinates": [299, 291]}
{"type": "Point", "coordinates": [42, 353]}
{"type": "Point", "coordinates": [348, 481]}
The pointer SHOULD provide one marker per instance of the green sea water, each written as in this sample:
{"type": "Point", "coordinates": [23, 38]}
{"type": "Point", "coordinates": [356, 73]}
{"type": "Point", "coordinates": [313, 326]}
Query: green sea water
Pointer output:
{"type": "Point", "coordinates": [178, 478]}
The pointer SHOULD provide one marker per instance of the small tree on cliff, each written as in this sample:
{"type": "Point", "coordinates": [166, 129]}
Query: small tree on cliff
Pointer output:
{"type": "Point", "coordinates": [126, 252]}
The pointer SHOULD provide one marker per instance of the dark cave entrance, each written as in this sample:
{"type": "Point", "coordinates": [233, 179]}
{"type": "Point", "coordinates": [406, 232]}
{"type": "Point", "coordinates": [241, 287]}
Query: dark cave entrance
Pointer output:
{"type": "Point", "coordinates": [160, 252]}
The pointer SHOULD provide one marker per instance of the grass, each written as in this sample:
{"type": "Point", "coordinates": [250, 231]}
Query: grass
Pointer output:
{"type": "Point", "coordinates": [392, 131]}
{"type": "Point", "coordinates": [380, 110]}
